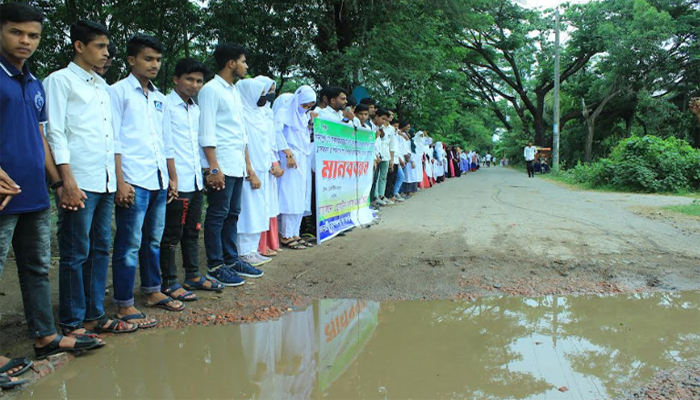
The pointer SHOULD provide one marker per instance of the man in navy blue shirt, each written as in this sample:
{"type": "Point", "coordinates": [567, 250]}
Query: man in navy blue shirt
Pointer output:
{"type": "Point", "coordinates": [24, 163]}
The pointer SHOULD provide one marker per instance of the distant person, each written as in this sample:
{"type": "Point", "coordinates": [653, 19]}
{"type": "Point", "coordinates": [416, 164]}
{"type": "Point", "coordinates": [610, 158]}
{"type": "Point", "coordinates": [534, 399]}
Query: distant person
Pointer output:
{"type": "Point", "coordinates": [488, 160]}
{"type": "Point", "coordinates": [529, 153]}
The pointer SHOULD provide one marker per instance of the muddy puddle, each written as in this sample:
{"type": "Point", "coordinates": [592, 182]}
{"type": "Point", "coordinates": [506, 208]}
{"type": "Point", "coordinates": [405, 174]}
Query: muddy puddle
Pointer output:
{"type": "Point", "coordinates": [579, 347]}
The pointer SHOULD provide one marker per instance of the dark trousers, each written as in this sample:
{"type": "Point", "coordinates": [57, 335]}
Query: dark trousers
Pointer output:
{"type": "Point", "coordinates": [390, 182]}
{"type": "Point", "coordinates": [372, 197]}
{"type": "Point", "coordinates": [183, 221]}
{"type": "Point", "coordinates": [30, 236]}
{"type": "Point", "coordinates": [530, 168]}
{"type": "Point", "coordinates": [308, 223]}
{"type": "Point", "coordinates": [221, 223]}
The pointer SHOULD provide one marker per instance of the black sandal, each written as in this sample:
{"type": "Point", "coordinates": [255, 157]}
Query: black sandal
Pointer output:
{"type": "Point", "coordinates": [6, 382]}
{"type": "Point", "coordinates": [82, 343]}
{"type": "Point", "coordinates": [25, 363]}
{"type": "Point", "coordinates": [293, 244]}
{"type": "Point", "coordinates": [116, 326]}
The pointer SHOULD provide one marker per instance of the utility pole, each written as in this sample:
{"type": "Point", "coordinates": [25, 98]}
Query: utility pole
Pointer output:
{"type": "Point", "coordinates": [555, 150]}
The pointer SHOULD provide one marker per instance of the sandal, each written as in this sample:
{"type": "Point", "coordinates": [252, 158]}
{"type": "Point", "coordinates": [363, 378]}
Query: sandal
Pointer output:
{"type": "Point", "coordinates": [6, 382]}
{"type": "Point", "coordinates": [128, 318]}
{"type": "Point", "coordinates": [199, 285]}
{"type": "Point", "coordinates": [165, 305]}
{"type": "Point", "coordinates": [270, 253]}
{"type": "Point", "coordinates": [82, 343]}
{"type": "Point", "coordinates": [187, 296]}
{"type": "Point", "coordinates": [24, 363]}
{"type": "Point", "coordinates": [306, 242]}
{"type": "Point", "coordinates": [116, 326]}
{"type": "Point", "coordinates": [71, 332]}
{"type": "Point", "coordinates": [293, 244]}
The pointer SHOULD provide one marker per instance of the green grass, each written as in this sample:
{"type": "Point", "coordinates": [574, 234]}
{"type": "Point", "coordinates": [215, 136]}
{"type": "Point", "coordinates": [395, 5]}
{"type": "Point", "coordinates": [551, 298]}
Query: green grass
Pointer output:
{"type": "Point", "coordinates": [692, 209]}
{"type": "Point", "coordinates": [572, 183]}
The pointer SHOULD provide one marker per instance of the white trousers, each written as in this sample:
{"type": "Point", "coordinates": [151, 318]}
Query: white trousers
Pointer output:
{"type": "Point", "coordinates": [248, 243]}
{"type": "Point", "coordinates": [290, 224]}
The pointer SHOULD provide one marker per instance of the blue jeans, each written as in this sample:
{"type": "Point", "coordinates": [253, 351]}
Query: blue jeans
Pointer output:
{"type": "Point", "coordinates": [30, 235]}
{"type": "Point", "coordinates": [137, 241]}
{"type": "Point", "coordinates": [221, 223]}
{"type": "Point", "coordinates": [399, 179]}
{"type": "Point", "coordinates": [83, 243]}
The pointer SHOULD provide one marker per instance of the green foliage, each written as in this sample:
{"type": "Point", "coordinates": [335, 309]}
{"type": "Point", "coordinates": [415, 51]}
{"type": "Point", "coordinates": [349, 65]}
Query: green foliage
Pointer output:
{"type": "Point", "coordinates": [646, 164]}
{"type": "Point", "coordinates": [692, 209]}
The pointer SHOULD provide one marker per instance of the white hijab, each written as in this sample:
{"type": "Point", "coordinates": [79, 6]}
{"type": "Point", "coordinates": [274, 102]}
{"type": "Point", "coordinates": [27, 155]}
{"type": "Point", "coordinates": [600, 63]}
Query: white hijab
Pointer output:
{"type": "Point", "coordinates": [290, 112]}
{"type": "Point", "coordinates": [268, 85]}
{"type": "Point", "coordinates": [251, 90]}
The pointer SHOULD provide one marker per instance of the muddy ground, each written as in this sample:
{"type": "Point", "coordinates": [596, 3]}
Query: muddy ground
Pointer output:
{"type": "Point", "coordinates": [491, 232]}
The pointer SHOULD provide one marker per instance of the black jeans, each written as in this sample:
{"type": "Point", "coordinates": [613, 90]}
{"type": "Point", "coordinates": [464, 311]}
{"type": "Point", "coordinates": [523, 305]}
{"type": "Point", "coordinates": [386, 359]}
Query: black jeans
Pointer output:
{"type": "Point", "coordinates": [30, 236]}
{"type": "Point", "coordinates": [183, 221]}
{"type": "Point", "coordinates": [390, 182]}
{"type": "Point", "coordinates": [530, 168]}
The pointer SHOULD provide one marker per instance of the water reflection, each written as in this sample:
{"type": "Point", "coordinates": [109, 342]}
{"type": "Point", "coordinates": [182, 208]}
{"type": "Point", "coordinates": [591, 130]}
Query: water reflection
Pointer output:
{"type": "Point", "coordinates": [493, 348]}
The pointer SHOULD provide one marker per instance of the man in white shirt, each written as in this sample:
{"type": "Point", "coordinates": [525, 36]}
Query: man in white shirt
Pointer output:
{"type": "Point", "coordinates": [488, 160]}
{"type": "Point", "coordinates": [146, 179]}
{"type": "Point", "coordinates": [223, 136]}
{"type": "Point", "coordinates": [80, 135]}
{"type": "Point", "coordinates": [529, 154]}
{"type": "Point", "coordinates": [391, 194]}
{"type": "Point", "coordinates": [183, 216]}
{"type": "Point", "coordinates": [332, 104]}
{"type": "Point", "coordinates": [381, 118]}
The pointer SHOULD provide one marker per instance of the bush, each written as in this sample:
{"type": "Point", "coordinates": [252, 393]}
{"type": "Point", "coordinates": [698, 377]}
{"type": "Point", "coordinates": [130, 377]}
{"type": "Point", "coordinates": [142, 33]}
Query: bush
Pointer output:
{"type": "Point", "coordinates": [645, 164]}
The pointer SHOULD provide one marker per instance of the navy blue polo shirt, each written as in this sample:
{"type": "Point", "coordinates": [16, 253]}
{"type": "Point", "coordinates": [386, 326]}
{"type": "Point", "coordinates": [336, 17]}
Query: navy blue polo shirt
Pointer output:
{"type": "Point", "coordinates": [22, 109]}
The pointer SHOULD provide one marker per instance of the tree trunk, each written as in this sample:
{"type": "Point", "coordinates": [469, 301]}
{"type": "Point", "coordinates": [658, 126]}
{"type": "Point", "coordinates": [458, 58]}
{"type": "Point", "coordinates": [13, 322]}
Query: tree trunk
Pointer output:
{"type": "Point", "coordinates": [590, 121]}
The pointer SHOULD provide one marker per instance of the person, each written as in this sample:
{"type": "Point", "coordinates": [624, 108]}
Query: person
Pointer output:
{"type": "Point", "coordinates": [81, 138]}
{"type": "Point", "coordinates": [254, 218]}
{"type": "Point", "coordinates": [529, 153]}
{"type": "Point", "coordinates": [414, 167]}
{"type": "Point", "coordinates": [463, 163]}
{"type": "Point", "coordinates": [362, 114]}
{"type": "Point", "coordinates": [488, 159]}
{"type": "Point", "coordinates": [102, 70]}
{"type": "Point", "coordinates": [25, 161]}
{"type": "Point", "coordinates": [402, 151]}
{"type": "Point", "coordinates": [372, 108]}
{"type": "Point", "coordinates": [222, 134]}
{"type": "Point", "coordinates": [394, 163]}
{"type": "Point", "coordinates": [183, 215]}
{"type": "Point", "coordinates": [146, 180]}
{"type": "Point", "coordinates": [382, 143]}
{"type": "Point", "coordinates": [333, 105]}
{"type": "Point", "coordinates": [269, 240]}
{"type": "Point", "coordinates": [294, 121]}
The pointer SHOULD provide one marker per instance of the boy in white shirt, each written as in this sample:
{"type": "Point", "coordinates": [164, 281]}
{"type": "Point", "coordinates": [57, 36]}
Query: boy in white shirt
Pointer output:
{"type": "Point", "coordinates": [529, 154]}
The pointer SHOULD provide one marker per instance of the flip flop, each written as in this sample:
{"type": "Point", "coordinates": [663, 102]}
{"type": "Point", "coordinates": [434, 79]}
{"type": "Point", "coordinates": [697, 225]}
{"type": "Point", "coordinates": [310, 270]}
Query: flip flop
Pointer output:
{"type": "Point", "coordinates": [128, 318]}
{"type": "Point", "coordinates": [294, 245]}
{"type": "Point", "coordinates": [7, 383]}
{"type": "Point", "coordinates": [270, 253]}
{"type": "Point", "coordinates": [187, 296]}
{"type": "Point", "coordinates": [116, 326]}
{"type": "Point", "coordinates": [199, 285]}
{"type": "Point", "coordinates": [164, 304]}
{"type": "Point", "coordinates": [25, 363]}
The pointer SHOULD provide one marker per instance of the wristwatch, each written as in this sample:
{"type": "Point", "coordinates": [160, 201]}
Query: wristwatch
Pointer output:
{"type": "Point", "coordinates": [214, 171]}
{"type": "Point", "coordinates": [56, 185]}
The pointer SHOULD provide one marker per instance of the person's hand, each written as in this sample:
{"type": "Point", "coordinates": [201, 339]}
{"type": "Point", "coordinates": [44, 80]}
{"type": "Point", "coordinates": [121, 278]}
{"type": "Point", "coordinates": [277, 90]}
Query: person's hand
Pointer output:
{"type": "Point", "coordinates": [402, 163]}
{"type": "Point", "coordinates": [70, 197]}
{"type": "Point", "coordinates": [253, 179]}
{"type": "Point", "coordinates": [291, 162]}
{"type": "Point", "coordinates": [391, 167]}
{"type": "Point", "coordinates": [413, 165]}
{"type": "Point", "coordinates": [172, 190]}
{"type": "Point", "coordinates": [8, 189]}
{"type": "Point", "coordinates": [126, 195]}
{"type": "Point", "coordinates": [313, 115]}
{"type": "Point", "coordinates": [216, 181]}
{"type": "Point", "coordinates": [347, 113]}
{"type": "Point", "coordinates": [276, 171]}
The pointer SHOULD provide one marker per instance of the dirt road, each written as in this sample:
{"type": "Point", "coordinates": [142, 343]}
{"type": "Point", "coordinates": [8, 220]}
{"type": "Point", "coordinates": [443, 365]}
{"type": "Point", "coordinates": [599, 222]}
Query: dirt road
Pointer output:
{"type": "Point", "coordinates": [494, 231]}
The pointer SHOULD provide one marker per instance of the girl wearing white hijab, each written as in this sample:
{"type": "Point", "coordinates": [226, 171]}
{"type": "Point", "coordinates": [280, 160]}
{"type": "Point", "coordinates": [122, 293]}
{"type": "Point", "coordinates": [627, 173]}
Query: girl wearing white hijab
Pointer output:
{"type": "Point", "coordinates": [269, 240]}
{"type": "Point", "coordinates": [292, 119]}
{"type": "Point", "coordinates": [254, 219]}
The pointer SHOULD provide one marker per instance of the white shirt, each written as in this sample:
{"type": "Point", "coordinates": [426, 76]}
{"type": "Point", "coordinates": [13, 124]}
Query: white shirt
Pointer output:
{"type": "Point", "coordinates": [181, 122]}
{"type": "Point", "coordinates": [80, 132]}
{"type": "Point", "coordinates": [488, 157]}
{"type": "Point", "coordinates": [221, 125]}
{"type": "Point", "coordinates": [384, 143]}
{"type": "Point", "coordinates": [393, 142]}
{"type": "Point", "coordinates": [138, 133]}
{"type": "Point", "coordinates": [530, 152]}
{"type": "Point", "coordinates": [329, 114]}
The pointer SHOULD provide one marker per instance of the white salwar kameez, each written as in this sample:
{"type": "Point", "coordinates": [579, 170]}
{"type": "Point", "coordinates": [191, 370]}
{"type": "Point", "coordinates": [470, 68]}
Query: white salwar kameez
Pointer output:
{"type": "Point", "coordinates": [295, 185]}
{"type": "Point", "coordinates": [254, 219]}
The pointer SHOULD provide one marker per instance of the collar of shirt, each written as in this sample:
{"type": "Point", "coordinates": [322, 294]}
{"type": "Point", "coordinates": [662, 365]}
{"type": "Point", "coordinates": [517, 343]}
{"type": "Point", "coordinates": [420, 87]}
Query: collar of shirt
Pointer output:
{"type": "Point", "coordinates": [134, 83]}
{"type": "Point", "coordinates": [90, 77]}
{"type": "Point", "coordinates": [12, 71]}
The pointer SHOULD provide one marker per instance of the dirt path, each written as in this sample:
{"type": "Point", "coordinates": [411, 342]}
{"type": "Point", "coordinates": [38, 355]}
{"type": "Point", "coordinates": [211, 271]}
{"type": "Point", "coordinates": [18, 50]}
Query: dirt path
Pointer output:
{"type": "Point", "coordinates": [495, 231]}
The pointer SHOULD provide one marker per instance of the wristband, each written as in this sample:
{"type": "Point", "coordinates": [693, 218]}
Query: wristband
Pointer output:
{"type": "Point", "coordinates": [56, 185]}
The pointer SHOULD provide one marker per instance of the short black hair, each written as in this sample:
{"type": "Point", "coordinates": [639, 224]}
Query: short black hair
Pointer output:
{"type": "Point", "coordinates": [112, 48]}
{"type": "Point", "coordinates": [394, 121]}
{"type": "Point", "coordinates": [331, 92]}
{"type": "Point", "coordinates": [404, 123]}
{"type": "Point", "coordinates": [380, 112]}
{"type": "Point", "coordinates": [368, 101]}
{"type": "Point", "coordinates": [226, 52]}
{"type": "Point", "coordinates": [190, 65]}
{"type": "Point", "coordinates": [20, 12]}
{"type": "Point", "coordinates": [86, 31]}
{"type": "Point", "coordinates": [352, 101]}
{"type": "Point", "coordinates": [361, 107]}
{"type": "Point", "coordinates": [142, 41]}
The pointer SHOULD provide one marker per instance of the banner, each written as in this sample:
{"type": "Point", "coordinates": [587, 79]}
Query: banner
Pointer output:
{"type": "Point", "coordinates": [344, 172]}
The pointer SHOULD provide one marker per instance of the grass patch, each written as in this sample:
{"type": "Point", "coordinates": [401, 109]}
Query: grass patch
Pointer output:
{"type": "Point", "coordinates": [568, 180]}
{"type": "Point", "coordinates": [692, 209]}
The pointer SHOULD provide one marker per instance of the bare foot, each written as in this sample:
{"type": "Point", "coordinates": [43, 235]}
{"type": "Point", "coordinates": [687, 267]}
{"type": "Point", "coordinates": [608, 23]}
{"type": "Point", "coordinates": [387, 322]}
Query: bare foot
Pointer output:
{"type": "Point", "coordinates": [4, 361]}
